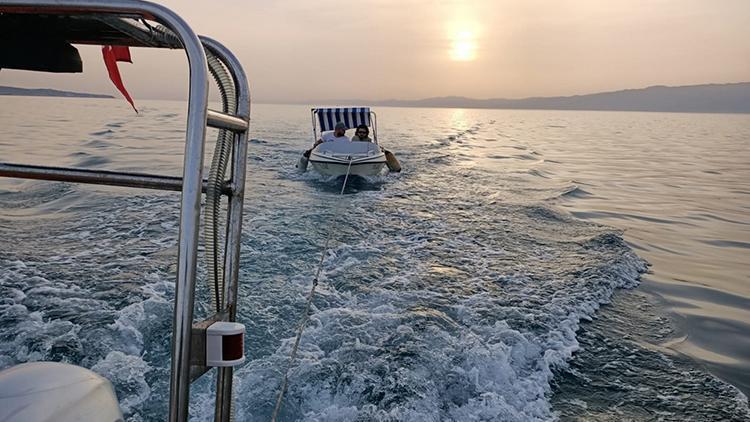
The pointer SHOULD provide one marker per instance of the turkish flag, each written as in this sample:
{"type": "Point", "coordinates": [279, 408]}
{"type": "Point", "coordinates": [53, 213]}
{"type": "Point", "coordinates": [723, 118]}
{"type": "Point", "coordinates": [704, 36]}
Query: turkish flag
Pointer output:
{"type": "Point", "coordinates": [113, 54]}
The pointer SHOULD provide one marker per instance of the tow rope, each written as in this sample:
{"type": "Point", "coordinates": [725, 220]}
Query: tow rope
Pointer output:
{"type": "Point", "coordinates": [306, 313]}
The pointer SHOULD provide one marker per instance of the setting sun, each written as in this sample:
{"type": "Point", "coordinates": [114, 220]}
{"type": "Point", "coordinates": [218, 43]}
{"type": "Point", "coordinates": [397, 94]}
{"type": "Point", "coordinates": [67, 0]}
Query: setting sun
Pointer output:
{"type": "Point", "coordinates": [463, 47]}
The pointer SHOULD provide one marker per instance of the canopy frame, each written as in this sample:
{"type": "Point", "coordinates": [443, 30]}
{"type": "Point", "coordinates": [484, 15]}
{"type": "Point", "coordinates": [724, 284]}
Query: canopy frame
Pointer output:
{"type": "Point", "coordinates": [325, 118]}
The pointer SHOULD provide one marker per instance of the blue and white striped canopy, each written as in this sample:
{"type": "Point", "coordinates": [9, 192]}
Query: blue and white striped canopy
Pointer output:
{"type": "Point", "coordinates": [350, 116]}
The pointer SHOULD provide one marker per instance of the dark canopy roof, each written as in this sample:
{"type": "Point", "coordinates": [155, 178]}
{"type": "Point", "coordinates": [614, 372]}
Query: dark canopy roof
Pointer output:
{"type": "Point", "coordinates": [44, 41]}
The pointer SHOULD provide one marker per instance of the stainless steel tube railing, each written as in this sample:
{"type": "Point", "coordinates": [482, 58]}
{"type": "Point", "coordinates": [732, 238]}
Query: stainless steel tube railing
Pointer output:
{"type": "Point", "coordinates": [221, 120]}
{"type": "Point", "coordinates": [234, 223]}
{"type": "Point", "coordinates": [97, 177]}
{"type": "Point", "coordinates": [192, 179]}
{"type": "Point", "coordinates": [191, 184]}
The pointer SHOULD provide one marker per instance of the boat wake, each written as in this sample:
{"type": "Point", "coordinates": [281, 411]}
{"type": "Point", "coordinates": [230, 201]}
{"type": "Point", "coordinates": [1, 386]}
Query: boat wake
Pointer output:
{"type": "Point", "coordinates": [446, 313]}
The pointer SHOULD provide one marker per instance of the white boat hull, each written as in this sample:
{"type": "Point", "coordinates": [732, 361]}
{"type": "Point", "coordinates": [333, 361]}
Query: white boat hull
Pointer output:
{"type": "Point", "coordinates": [333, 159]}
{"type": "Point", "coordinates": [51, 391]}
{"type": "Point", "coordinates": [340, 169]}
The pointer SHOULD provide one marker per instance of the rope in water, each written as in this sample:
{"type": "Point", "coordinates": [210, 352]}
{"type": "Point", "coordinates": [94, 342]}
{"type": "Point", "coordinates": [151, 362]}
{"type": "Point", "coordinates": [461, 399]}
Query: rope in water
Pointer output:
{"type": "Point", "coordinates": [306, 313]}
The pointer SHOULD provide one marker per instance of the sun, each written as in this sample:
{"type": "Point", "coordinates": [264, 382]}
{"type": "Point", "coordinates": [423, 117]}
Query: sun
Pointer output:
{"type": "Point", "coordinates": [463, 46]}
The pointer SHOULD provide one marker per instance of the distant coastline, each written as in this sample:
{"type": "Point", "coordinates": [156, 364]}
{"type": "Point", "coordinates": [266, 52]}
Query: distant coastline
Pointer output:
{"type": "Point", "coordinates": [709, 98]}
{"type": "Point", "coordinates": [44, 92]}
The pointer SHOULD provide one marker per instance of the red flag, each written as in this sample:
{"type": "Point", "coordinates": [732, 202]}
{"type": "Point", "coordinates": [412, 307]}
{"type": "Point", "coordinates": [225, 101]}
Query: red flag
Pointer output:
{"type": "Point", "coordinates": [113, 54]}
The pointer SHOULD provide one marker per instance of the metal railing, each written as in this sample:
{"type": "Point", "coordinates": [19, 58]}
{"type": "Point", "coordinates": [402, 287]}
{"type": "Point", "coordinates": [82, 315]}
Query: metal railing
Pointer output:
{"type": "Point", "coordinates": [191, 184]}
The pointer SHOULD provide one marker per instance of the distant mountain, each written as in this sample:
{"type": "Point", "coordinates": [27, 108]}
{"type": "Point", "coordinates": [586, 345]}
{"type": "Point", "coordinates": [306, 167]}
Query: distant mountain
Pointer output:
{"type": "Point", "coordinates": [712, 98]}
{"type": "Point", "coordinates": [9, 90]}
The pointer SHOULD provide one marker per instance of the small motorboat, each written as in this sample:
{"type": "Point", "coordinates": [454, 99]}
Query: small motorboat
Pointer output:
{"type": "Point", "coordinates": [341, 156]}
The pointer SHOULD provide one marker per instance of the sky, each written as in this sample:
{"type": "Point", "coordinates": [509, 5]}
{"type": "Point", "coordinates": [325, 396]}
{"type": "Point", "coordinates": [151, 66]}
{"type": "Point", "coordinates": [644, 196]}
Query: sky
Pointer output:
{"type": "Point", "coordinates": [308, 51]}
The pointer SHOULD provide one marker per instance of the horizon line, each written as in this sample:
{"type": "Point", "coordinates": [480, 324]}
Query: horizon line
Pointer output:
{"type": "Point", "coordinates": [332, 101]}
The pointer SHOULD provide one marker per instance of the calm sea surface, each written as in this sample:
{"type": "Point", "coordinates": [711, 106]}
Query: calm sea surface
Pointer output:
{"type": "Point", "coordinates": [525, 265]}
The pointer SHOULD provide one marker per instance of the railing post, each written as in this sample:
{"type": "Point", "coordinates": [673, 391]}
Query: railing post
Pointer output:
{"type": "Point", "coordinates": [191, 183]}
{"type": "Point", "coordinates": [234, 221]}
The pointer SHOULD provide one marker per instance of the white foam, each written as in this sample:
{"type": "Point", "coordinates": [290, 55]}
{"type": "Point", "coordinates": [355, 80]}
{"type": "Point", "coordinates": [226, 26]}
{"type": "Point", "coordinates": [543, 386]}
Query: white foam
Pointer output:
{"type": "Point", "coordinates": [128, 373]}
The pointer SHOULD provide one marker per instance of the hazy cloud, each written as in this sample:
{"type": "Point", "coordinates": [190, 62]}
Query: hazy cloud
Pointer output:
{"type": "Point", "coordinates": [379, 49]}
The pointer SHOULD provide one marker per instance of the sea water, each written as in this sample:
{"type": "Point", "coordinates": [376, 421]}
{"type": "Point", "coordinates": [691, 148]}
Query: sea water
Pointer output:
{"type": "Point", "coordinates": [503, 275]}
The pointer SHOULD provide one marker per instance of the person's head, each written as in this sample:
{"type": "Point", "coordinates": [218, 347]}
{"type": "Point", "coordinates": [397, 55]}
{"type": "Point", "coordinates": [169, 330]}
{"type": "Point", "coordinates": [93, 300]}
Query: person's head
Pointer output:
{"type": "Point", "coordinates": [362, 131]}
{"type": "Point", "coordinates": [339, 129]}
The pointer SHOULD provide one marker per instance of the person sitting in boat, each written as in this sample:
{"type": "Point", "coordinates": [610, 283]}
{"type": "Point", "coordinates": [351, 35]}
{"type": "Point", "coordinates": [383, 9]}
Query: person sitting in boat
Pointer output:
{"type": "Point", "coordinates": [361, 134]}
{"type": "Point", "coordinates": [338, 134]}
